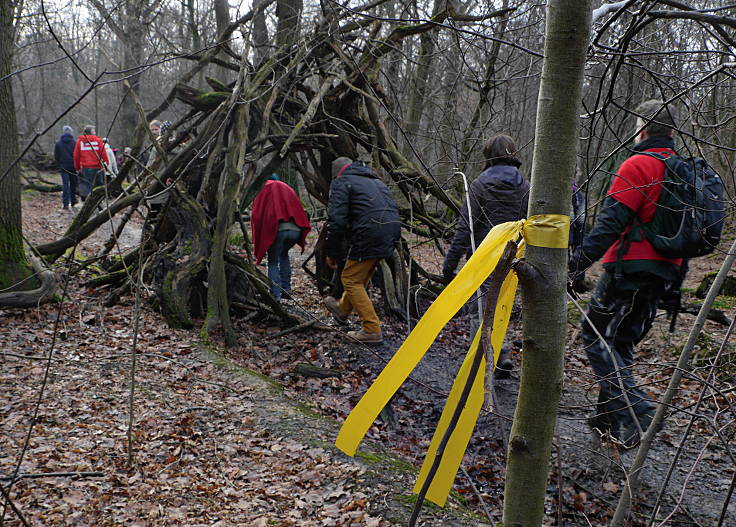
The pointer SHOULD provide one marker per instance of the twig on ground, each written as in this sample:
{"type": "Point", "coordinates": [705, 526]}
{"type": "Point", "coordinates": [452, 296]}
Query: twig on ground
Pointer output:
{"type": "Point", "coordinates": [54, 475]}
{"type": "Point", "coordinates": [298, 327]}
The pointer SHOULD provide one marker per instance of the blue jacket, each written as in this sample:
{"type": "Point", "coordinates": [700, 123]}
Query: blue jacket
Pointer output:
{"type": "Point", "coordinates": [64, 152]}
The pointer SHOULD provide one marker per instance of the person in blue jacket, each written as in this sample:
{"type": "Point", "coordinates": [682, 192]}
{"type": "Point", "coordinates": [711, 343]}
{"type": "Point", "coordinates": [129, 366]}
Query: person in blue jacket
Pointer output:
{"type": "Point", "coordinates": [64, 156]}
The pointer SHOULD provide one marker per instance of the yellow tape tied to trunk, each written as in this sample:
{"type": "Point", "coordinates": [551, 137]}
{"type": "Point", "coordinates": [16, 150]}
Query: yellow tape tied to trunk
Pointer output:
{"type": "Point", "coordinates": [544, 231]}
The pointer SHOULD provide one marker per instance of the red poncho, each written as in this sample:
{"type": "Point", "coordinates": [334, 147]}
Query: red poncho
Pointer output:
{"type": "Point", "coordinates": [276, 202]}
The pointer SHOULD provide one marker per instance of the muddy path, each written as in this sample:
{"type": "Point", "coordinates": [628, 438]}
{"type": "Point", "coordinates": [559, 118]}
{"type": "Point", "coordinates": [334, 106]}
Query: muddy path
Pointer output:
{"type": "Point", "coordinates": [587, 473]}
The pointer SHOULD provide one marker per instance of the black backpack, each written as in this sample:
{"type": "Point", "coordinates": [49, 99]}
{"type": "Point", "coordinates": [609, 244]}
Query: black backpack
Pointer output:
{"type": "Point", "coordinates": [690, 210]}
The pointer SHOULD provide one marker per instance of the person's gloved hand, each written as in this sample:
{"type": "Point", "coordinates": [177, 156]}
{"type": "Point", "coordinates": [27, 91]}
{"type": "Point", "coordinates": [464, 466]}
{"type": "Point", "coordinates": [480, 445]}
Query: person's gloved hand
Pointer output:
{"type": "Point", "coordinates": [448, 272]}
{"type": "Point", "coordinates": [578, 263]}
{"type": "Point", "coordinates": [671, 300]}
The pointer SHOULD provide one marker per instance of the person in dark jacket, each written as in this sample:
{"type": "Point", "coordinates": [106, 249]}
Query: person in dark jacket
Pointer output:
{"type": "Point", "coordinates": [636, 276]}
{"type": "Point", "coordinates": [498, 195]}
{"type": "Point", "coordinates": [362, 212]}
{"type": "Point", "coordinates": [64, 156]}
{"type": "Point", "coordinates": [577, 234]}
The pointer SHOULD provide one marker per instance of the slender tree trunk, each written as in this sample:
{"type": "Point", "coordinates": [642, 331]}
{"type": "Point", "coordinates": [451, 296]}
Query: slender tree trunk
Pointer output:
{"type": "Point", "coordinates": [218, 305]}
{"type": "Point", "coordinates": [421, 76]}
{"type": "Point", "coordinates": [222, 18]}
{"type": "Point", "coordinates": [289, 14]}
{"type": "Point", "coordinates": [14, 266]}
{"type": "Point", "coordinates": [260, 37]}
{"type": "Point", "coordinates": [544, 275]}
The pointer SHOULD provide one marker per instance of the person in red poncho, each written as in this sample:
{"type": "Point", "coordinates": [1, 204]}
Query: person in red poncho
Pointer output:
{"type": "Point", "coordinates": [278, 222]}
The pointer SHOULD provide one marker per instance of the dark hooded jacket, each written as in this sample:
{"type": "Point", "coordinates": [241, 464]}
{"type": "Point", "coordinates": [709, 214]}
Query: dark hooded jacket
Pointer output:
{"type": "Point", "coordinates": [500, 194]}
{"type": "Point", "coordinates": [361, 211]}
{"type": "Point", "coordinates": [64, 152]}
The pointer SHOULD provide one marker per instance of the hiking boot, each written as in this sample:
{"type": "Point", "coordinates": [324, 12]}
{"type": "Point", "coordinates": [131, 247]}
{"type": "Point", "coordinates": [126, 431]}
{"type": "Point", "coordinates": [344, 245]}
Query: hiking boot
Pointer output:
{"type": "Point", "coordinates": [629, 435]}
{"type": "Point", "coordinates": [333, 306]}
{"type": "Point", "coordinates": [601, 424]}
{"type": "Point", "coordinates": [504, 364]}
{"type": "Point", "coordinates": [366, 338]}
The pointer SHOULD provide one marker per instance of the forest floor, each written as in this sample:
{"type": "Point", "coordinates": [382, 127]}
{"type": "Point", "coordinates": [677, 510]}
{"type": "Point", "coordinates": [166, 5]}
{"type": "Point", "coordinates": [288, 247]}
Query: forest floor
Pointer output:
{"type": "Point", "coordinates": [237, 437]}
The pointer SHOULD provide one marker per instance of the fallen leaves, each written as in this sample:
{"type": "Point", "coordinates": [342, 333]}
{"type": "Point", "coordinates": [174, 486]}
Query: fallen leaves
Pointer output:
{"type": "Point", "coordinates": [202, 457]}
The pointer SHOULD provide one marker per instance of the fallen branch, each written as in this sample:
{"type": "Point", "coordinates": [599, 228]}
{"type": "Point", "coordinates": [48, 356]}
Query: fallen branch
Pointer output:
{"type": "Point", "coordinates": [292, 329]}
{"type": "Point", "coordinates": [54, 475]}
{"type": "Point", "coordinates": [496, 279]}
{"type": "Point", "coordinates": [310, 370]}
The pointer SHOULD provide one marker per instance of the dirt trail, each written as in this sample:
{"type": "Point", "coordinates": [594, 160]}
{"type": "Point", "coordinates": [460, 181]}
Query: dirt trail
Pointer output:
{"type": "Point", "coordinates": [220, 446]}
{"type": "Point", "coordinates": [214, 443]}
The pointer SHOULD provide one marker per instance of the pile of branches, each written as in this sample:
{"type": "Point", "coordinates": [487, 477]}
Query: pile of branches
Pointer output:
{"type": "Point", "coordinates": [306, 105]}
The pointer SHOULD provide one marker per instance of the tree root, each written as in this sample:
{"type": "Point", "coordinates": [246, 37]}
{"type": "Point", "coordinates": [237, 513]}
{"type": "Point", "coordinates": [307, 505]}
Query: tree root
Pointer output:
{"type": "Point", "coordinates": [34, 297]}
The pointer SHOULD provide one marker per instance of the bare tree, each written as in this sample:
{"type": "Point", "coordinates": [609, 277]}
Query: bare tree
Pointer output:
{"type": "Point", "coordinates": [544, 274]}
{"type": "Point", "coordinates": [14, 266]}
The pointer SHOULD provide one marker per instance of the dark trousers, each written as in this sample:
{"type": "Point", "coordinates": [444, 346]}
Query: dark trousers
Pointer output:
{"type": "Point", "coordinates": [623, 315]}
{"type": "Point", "coordinates": [68, 187]}
{"type": "Point", "coordinates": [88, 180]}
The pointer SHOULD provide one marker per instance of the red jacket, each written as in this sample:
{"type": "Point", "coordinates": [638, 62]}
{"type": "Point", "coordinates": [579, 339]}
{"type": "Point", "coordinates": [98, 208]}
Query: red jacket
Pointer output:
{"type": "Point", "coordinates": [89, 152]}
{"type": "Point", "coordinates": [637, 185]}
{"type": "Point", "coordinates": [276, 202]}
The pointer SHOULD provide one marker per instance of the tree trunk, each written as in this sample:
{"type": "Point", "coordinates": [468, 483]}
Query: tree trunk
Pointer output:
{"type": "Point", "coordinates": [14, 266]}
{"type": "Point", "coordinates": [179, 273]}
{"type": "Point", "coordinates": [288, 13]}
{"type": "Point", "coordinates": [544, 275]}
{"type": "Point", "coordinates": [259, 37]}
{"type": "Point", "coordinates": [132, 58]}
{"type": "Point", "coordinates": [218, 304]}
{"type": "Point", "coordinates": [222, 18]}
{"type": "Point", "coordinates": [421, 76]}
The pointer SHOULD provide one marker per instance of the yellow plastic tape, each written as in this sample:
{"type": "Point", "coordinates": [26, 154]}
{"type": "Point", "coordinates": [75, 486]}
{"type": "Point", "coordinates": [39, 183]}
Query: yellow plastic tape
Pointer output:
{"type": "Point", "coordinates": [548, 230]}
{"type": "Point", "coordinates": [458, 442]}
{"type": "Point", "coordinates": [467, 281]}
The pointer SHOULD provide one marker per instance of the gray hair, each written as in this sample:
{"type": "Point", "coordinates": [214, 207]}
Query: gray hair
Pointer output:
{"type": "Point", "coordinates": [662, 117]}
{"type": "Point", "coordinates": [338, 164]}
{"type": "Point", "coordinates": [89, 129]}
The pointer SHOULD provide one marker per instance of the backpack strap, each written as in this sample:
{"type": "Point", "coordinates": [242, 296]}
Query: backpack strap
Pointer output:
{"type": "Point", "coordinates": [626, 239]}
{"type": "Point", "coordinates": [624, 243]}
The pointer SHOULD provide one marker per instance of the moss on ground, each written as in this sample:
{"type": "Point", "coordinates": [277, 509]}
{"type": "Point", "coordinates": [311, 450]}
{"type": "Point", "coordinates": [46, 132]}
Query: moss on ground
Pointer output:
{"type": "Point", "coordinates": [307, 409]}
{"type": "Point", "coordinates": [386, 461]}
{"type": "Point", "coordinates": [219, 360]}
{"type": "Point", "coordinates": [573, 313]}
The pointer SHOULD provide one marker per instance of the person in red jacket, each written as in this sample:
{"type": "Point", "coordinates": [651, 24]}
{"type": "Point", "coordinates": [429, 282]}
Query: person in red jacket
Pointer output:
{"type": "Point", "coordinates": [624, 303]}
{"type": "Point", "coordinates": [278, 222]}
{"type": "Point", "coordinates": [89, 160]}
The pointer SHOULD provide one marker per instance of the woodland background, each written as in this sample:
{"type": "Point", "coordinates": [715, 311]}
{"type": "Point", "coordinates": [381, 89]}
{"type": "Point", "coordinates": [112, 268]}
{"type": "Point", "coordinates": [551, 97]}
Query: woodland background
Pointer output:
{"type": "Point", "coordinates": [287, 86]}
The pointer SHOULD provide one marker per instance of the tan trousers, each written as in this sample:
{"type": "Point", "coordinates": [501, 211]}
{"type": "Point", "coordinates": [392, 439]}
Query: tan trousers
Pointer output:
{"type": "Point", "coordinates": [355, 277]}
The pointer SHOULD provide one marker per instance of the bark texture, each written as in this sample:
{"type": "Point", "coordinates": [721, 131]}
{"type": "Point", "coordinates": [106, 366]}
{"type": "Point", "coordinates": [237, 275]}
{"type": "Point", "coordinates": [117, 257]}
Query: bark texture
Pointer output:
{"type": "Point", "coordinates": [544, 275]}
{"type": "Point", "coordinates": [14, 267]}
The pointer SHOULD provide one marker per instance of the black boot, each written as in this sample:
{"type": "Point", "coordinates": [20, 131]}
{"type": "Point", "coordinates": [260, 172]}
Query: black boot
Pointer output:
{"type": "Point", "coordinates": [504, 364]}
{"type": "Point", "coordinates": [603, 421]}
{"type": "Point", "coordinates": [629, 435]}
